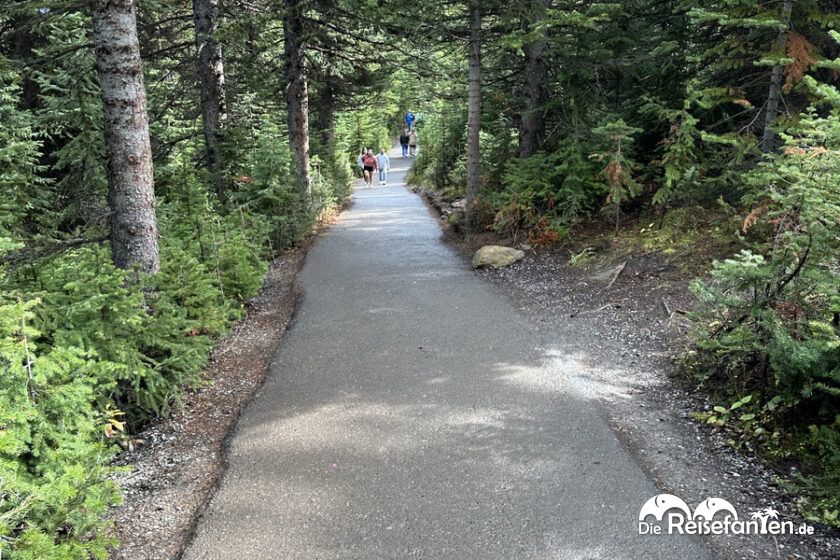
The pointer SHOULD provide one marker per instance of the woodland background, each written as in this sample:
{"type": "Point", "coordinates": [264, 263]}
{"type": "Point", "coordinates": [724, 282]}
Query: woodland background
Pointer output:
{"type": "Point", "coordinates": [155, 155]}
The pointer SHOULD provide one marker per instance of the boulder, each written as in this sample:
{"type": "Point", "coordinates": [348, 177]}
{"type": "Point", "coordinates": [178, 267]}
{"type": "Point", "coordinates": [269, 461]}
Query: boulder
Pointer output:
{"type": "Point", "coordinates": [496, 256]}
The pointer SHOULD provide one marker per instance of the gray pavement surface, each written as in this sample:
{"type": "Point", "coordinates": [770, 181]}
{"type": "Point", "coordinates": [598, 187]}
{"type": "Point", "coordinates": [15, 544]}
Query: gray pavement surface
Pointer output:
{"type": "Point", "coordinates": [412, 412]}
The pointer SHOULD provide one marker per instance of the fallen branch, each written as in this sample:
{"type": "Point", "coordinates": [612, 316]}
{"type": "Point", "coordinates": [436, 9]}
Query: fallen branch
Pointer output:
{"type": "Point", "coordinates": [619, 269]}
{"type": "Point", "coordinates": [576, 313]}
{"type": "Point", "coordinates": [668, 311]}
{"type": "Point", "coordinates": [676, 309]}
{"type": "Point", "coordinates": [31, 253]}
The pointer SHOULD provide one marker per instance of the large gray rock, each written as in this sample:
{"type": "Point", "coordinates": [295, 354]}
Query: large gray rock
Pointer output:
{"type": "Point", "coordinates": [496, 256]}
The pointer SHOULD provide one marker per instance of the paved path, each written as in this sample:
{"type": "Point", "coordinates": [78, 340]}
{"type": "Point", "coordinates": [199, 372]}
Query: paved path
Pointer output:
{"type": "Point", "coordinates": [411, 412]}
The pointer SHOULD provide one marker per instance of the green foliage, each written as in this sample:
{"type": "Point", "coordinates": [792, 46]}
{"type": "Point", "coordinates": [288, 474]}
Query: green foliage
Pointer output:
{"type": "Point", "coordinates": [560, 186]}
{"type": "Point", "coordinates": [137, 337]}
{"type": "Point", "coordinates": [667, 97]}
{"type": "Point", "coordinates": [770, 322]}
{"type": "Point", "coordinates": [442, 147]}
{"type": "Point", "coordinates": [21, 186]}
{"type": "Point", "coordinates": [618, 169]}
{"type": "Point", "coordinates": [821, 482]}
{"type": "Point", "coordinates": [270, 191]}
{"type": "Point", "coordinates": [681, 157]}
{"type": "Point", "coordinates": [99, 355]}
{"type": "Point", "coordinates": [70, 116]}
{"type": "Point", "coordinates": [53, 455]}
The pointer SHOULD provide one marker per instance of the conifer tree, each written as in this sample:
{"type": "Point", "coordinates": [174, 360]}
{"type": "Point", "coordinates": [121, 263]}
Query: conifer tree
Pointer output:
{"type": "Point", "coordinates": [131, 195]}
{"type": "Point", "coordinates": [297, 92]}
{"type": "Point", "coordinates": [211, 77]}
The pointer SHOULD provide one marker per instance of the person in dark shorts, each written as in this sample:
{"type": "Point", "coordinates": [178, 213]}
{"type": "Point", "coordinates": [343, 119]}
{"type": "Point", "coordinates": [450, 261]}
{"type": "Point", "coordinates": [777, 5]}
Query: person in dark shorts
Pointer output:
{"type": "Point", "coordinates": [369, 163]}
{"type": "Point", "coordinates": [404, 142]}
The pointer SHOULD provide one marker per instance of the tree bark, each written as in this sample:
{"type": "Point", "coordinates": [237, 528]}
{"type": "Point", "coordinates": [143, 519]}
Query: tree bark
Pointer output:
{"type": "Point", "coordinates": [534, 89]}
{"type": "Point", "coordinates": [297, 96]}
{"type": "Point", "coordinates": [23, 43]}
{"type": "Point", "coordinates": [326, 117]}
{"type": "Point", "coordinates": [473, 117]}
{"type": "Point", "coordinates": [768, 138]}
{"type": "Point", "coordinates": [211, 76]}
{"type": "Point", "coordinates": [131, 195]}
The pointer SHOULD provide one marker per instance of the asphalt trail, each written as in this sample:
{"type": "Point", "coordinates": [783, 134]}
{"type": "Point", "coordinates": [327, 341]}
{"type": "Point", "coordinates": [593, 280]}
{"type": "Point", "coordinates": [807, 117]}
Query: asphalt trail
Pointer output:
{"type": "Point", "coordinates": [412, 412]}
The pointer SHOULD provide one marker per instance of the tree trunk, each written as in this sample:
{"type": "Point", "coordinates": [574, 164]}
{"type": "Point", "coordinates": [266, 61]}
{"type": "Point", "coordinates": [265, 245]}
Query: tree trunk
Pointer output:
{"type": "Point", "coordinates": [768, 138]}
{"type": "Point", "coordinates": [326, 118]}
{"type": "Point", "coordinates": [534, 89]}
{"type": "Point", "coordinates": [474, 117]}
{"type": "Point", "coordinates": [297, 96]}
{"type": "Point", "coordinates": [211, 76]}
{"type": "Point", "coordinates": [23, 40]}
{"type": "Point", "coordinates": [131, 194]}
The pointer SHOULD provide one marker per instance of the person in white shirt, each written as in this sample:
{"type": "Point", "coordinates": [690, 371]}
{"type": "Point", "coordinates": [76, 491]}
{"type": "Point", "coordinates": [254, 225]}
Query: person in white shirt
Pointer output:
{"type": "Point", "coordinates": [361, 164]}
{"type": "Point", "coordinates": [383, 163]}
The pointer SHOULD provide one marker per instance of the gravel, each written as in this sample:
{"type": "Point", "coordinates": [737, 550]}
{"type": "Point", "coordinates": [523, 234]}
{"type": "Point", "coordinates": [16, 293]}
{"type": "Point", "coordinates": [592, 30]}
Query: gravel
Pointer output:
{"type": "Point", "coordinates": [630, 329]}
{"type": "Point", "coordinates": [622, 317]}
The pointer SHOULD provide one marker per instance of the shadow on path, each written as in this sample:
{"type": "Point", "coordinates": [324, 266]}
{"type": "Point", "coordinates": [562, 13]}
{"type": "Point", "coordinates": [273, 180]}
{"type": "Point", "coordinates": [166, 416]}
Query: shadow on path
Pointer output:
{"type": "Point", "coordinates": [411, 412]}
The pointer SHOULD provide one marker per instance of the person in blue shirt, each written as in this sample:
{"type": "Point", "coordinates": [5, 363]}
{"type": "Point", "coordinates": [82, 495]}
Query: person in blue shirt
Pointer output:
{"type": "Point", "coordinates": [409, 120]}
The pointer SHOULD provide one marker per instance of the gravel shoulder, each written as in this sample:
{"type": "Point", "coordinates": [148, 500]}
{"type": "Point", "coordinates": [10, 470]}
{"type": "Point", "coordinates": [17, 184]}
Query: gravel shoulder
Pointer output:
{"type": "Point", "coordinates": [621, 318]}
{"type": "Point", "coordinates": [174, 473]}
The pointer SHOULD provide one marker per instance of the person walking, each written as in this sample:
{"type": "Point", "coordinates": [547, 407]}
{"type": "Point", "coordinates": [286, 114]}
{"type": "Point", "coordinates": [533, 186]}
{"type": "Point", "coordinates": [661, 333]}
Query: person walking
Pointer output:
{"type": "Point", "coordinates": [383, 163]}
{"type": "Point", "coordinates": [404, 142]}
{"type": "Point", "coordinates": [369, 166]}
{"type": "Point", "coordinates": [409, 120]}
{"type": "Point", "coordinates": [361, 163]}
{"type": "Point", "coordinates": [412, 143]}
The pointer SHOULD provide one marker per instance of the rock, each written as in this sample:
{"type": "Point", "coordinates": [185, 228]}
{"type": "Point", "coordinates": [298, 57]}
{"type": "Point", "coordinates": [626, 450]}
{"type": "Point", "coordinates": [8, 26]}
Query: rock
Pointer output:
{"type": "Point", "coordinates": [496, 256]}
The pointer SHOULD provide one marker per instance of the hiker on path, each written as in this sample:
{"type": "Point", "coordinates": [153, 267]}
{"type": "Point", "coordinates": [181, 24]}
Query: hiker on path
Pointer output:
{"type": "Point", "coordinates": [409, 120]}
{"type": "Point", "coordinates": [404, 142]}
{"type": "Point", "coordinates": [369, 166]}
{"type": "Point", "coordinates": [383, 163]}
{"type": "Point", "coordinates": [361, 164]}
{"type": "Point", "coordinates": [412, 143]}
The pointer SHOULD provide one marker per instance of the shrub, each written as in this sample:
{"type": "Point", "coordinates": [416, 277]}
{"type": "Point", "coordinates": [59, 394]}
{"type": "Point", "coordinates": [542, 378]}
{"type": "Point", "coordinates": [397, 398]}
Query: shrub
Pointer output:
{"type": "Point", "coordinates": [771, 320]}
{"type": "Point", "coordinates": [554, 190]}
{"type": "Point", "coordinates": [53, 455]}
{"type": "Point", "coordinates": [149, 345]}
{"type": "Point", "coordinates": [270, 191]}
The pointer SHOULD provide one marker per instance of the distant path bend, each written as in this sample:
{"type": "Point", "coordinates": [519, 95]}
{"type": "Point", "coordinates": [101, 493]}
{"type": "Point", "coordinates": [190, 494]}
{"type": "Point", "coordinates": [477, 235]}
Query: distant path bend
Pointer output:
{"type": "Point", "coordinates": [412, 412]}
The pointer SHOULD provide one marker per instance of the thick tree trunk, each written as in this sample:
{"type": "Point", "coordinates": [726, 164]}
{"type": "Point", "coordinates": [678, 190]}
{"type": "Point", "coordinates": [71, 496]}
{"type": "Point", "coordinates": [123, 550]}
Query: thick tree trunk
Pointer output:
{"type": "Point", "coordinates": [534, 88]}
{"type": "Point", "coordinates": [297, 96]}
{"type": "Point", "coordinates": [211, 76]}
{"type": "Point", "coordinates": [474, 117]}
{"type": "Point", "coordinates": [768, 138]}
{"type": "Point", "coordinates": [131, 194]}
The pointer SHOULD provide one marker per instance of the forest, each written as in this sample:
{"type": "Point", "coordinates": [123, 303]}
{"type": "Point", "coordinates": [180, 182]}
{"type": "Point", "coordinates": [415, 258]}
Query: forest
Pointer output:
{"type": "Point", "coordinates": [155, 155]}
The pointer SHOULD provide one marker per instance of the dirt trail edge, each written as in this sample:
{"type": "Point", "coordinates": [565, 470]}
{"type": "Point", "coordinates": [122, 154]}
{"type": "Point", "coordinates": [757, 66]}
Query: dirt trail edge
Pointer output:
{"type": "Point", "coordinates": [174, 474]}
{"type": "Point", "coordinates": [412, 412]}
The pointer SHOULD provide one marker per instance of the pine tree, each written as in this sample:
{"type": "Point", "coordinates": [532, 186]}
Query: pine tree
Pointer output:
{"type": "Point", "coordinates": [131, 196]}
